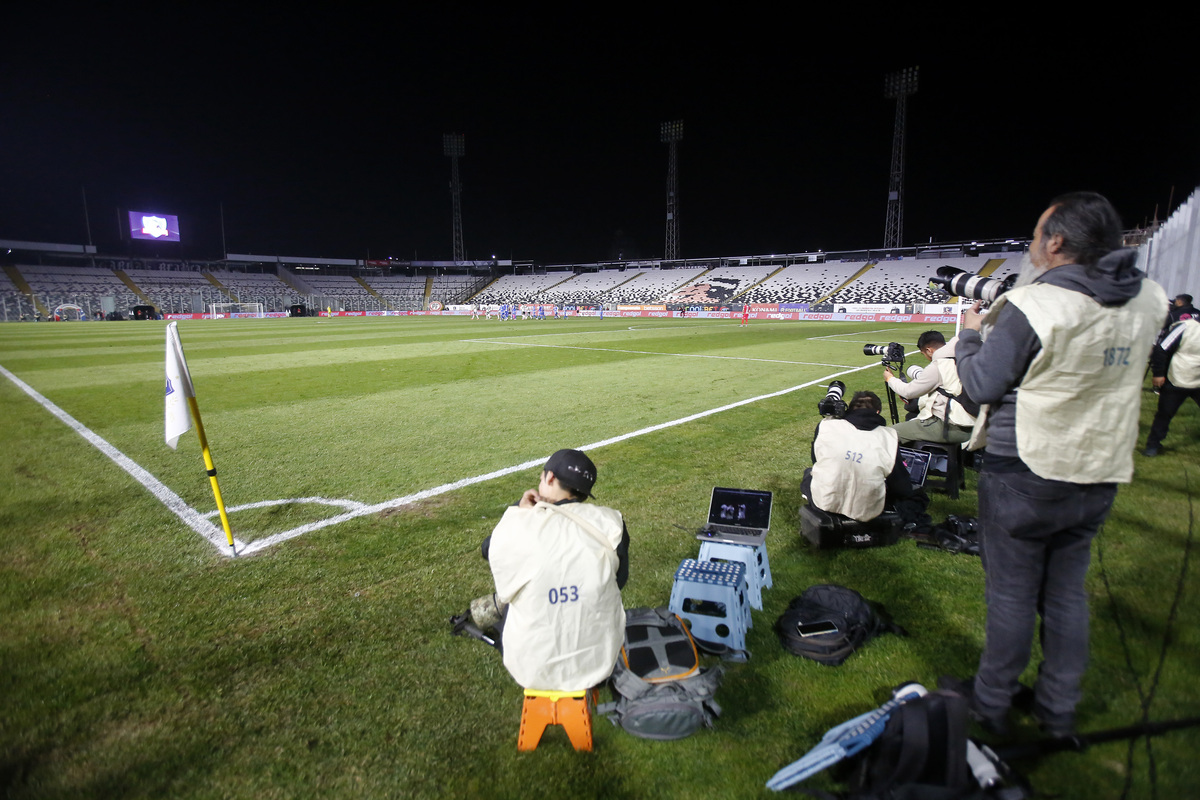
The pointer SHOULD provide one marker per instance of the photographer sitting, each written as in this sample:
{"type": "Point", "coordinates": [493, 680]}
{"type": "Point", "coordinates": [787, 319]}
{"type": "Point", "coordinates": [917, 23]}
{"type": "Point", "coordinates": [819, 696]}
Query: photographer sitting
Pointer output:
{"type": "Point", "coordinates": [857, 471]}
{"type": "Point", "coordinates": [558, 565]}
{"type": "Point", "coordinates": [945, 414]}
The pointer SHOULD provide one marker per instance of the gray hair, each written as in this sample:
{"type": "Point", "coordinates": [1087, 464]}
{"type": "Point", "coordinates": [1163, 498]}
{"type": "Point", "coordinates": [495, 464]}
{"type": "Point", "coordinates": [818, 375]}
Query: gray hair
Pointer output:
{"type": "Point", "coordinates": [1088, 224]}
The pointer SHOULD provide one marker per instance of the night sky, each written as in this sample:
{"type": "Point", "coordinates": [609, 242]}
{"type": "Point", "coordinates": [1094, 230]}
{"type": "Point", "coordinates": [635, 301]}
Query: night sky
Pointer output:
{"type": "Point", "coordinates": [320, 133]}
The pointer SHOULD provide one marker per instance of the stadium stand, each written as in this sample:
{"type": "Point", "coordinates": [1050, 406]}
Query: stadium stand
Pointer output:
{"type": "Point", "coordinates": [905, 282]}
{"type": "Point", "coordinates": [82, 286]}
{"type": "Point", "coordinates": [588, 288]}
{"type": "Point", "coordinates": [719, 285]}
{"type": "Point", "coordinates": [801, 283]}
{"type": "Point", "coordinates": [651, 286]}
{"type": "Point", "coordinates": [520, 288]}
{"type": "Point", "coordinates": [192, 287]}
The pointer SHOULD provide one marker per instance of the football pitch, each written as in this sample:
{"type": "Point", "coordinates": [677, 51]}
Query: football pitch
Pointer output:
{"type": "Point", "coordinates": [363, 460]}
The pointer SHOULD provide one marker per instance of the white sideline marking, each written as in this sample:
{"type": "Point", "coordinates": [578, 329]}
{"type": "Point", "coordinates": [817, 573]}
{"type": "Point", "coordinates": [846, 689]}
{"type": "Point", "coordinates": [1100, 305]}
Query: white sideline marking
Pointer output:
{"type": "Point", "coordinates": [190, 517]}
{"type": "Point", "coordinates": [857, 333]}
{"type": "Point", "coordinates": [322, 501]}
{"type": "Point", "coordinates": [653, 353]}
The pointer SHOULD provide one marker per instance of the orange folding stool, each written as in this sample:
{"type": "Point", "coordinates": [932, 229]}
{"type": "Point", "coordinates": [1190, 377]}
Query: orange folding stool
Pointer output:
{"type": "Point", "coordinates": [571, 710]}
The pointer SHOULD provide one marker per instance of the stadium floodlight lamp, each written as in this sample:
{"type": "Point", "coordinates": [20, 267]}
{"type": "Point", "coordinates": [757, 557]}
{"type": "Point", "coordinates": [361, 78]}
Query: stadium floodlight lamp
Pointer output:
{"type": "Point", "coordinates": [672, 131]}
{"type": "Point", "coordinates": [454, 145]}
{"type": "Point", "coordinates": [900, 83]}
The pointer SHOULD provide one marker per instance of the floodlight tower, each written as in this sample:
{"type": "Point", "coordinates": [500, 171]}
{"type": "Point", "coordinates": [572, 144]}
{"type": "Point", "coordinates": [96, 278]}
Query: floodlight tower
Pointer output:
{"type": "Point", "coordinates": [671, 133]}
{"type": "Point", "coordinates": [454, 146]}
{"type": "Point", "coordinates": [897, 86]}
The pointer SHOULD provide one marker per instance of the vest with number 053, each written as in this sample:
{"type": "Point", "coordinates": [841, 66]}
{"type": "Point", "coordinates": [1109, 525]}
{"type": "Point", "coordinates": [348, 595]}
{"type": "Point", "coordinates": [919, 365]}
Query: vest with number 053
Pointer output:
{"type": "Point", "coordinates": [850, 474]}
{"type": "Point", "coordinates": [1077, 406]}
{"type": "Point", "coordinates": [556, 567]}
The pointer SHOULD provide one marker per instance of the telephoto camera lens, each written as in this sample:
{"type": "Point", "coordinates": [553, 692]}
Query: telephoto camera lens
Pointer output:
{"type": "Point", "coordinates": [961, 283]}
{"type": "Point", "coordinates": [832, 404]}
{"type": "Point", "coordinates": [914, 372]}
{"type": "Point", "coordinates": [892, 351]}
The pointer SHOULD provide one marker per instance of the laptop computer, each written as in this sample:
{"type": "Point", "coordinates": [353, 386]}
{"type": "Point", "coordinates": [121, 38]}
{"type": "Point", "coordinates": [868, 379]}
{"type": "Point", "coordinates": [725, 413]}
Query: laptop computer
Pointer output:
{"type": "Point", "coordinates": [917, 463]}
{"type": "Point", "coordinates": [737, 516]}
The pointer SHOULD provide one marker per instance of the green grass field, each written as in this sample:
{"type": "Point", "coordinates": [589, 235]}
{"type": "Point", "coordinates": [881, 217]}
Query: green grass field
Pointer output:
{"type": "Point", "coordinates": [138, 660]}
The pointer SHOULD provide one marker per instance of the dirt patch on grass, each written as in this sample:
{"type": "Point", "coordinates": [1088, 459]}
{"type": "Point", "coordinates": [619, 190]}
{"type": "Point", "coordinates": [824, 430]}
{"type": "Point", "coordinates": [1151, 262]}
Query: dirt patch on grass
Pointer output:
{"type": "Point", "coordinates": [82, 531]}
{"type": "Point", "coordinates": [423, 508]}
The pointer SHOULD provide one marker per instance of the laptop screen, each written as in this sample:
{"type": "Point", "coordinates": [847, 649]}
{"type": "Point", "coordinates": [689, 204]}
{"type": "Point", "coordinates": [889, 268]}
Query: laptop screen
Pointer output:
{"type": "Point", "coordinates": [745, 508]}
{"type": "Point", "coordinates": [917, 464]}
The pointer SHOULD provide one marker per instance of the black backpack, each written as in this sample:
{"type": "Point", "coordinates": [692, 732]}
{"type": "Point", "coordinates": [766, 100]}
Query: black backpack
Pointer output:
{"type": "Point", "coordinates": [924, 754]}
{"type": "Point", "coordinates": [661, 690]}
{"type": "Point", "coordinates": [827, 623]}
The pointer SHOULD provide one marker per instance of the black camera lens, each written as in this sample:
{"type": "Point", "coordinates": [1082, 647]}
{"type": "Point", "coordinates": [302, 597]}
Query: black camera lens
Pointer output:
{"type": "Point", "coordinates": [832, 405]}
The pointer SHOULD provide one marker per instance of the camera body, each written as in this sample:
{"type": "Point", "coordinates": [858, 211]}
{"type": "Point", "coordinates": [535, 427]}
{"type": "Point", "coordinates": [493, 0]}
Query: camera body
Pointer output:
{"type": "Point", "coordinates": [961, 283]}
{"type": "Point", "coordinates": [832, 404]}
{"type": "Point", "coordinates": [892, 356]}
{"type": "Point", "coordinates": [890, 353]}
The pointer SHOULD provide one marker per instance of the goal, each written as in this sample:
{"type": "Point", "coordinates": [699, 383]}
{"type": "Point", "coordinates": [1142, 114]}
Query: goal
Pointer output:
{"type": "Point", "coordinates": [230, 310]}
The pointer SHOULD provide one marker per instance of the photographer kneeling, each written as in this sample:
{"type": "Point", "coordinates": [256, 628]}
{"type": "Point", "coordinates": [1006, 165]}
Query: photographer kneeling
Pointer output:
{"type": "Point", "coordinates": [945, 414]}
{"type": "Point", "coordinates": [857, 471]}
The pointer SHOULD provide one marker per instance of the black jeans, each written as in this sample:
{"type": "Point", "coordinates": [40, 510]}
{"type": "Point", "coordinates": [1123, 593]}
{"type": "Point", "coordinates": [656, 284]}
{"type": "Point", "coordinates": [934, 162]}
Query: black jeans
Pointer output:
{"type": "Point", "coordinates": [1170, 398]}
{"type": "Point", "coordinates": [1035, 538]}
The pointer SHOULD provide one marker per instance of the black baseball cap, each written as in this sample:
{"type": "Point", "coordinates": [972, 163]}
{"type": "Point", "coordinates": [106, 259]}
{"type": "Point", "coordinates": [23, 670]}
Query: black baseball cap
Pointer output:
{"type": "Point", "coordinates": [574, 470]}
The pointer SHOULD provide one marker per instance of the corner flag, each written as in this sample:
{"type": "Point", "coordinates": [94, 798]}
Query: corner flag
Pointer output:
{"type": "Point", "coordinates": [181, 399]}
{"type": "Point", "coordinates": [179, 389]}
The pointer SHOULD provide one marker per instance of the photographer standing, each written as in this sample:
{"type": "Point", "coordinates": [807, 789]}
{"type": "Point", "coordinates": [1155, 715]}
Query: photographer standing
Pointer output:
{"type": "Point", "coordinates": [1061, 371]}
{"type": "Point", "coordinates": [946, 414]}
{"type": "Point", "coordinates": [1175, 364]}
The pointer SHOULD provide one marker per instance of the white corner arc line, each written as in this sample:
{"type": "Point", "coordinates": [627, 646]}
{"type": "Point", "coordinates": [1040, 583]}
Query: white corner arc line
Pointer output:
{"type": "Point", "coordinates": [176, 504]}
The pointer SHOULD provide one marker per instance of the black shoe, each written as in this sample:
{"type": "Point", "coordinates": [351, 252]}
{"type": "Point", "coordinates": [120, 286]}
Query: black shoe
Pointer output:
{"type": "Point", "coordinates": [992, 722]}
{"type": "Point", "coordinates": [1151, 451]}
{"type": "Point", "coordinates": [1060, 726]}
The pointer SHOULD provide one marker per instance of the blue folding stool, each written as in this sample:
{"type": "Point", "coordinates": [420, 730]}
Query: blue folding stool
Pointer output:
{"type": "Point", "coordinates": [758, 568]}
{"type": "Point", "coordinates": [712, 597]}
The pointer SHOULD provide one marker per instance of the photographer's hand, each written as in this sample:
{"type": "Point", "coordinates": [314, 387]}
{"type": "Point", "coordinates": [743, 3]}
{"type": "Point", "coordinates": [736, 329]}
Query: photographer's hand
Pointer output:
{"type": "Point", "coordinates": [972, 318]}
{"type": "Point", "coordinates": [887, 374]}
{"type": "Point", "coordinates": [529, 499]}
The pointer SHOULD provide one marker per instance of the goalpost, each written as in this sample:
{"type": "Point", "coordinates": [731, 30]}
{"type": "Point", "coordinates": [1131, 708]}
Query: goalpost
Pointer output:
{"type": "Point", "coordinates": [229, 310]}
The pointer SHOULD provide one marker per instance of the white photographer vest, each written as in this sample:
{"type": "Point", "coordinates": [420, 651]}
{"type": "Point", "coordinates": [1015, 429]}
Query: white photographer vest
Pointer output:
{"type": "Point", "coordinates": [1077, 406]}
{"type": "Point", "coordinates": [936, 406]}
{"type": "Point", "coordinates": [851, 470]}
{"type": "Point", "coordinates": [556, 567]}
{"type": "Point", "coordinates": [1184, 371]}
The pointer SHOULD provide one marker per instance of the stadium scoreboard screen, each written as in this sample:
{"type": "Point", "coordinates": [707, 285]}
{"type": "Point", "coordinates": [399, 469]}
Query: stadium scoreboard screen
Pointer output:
{"type": "Point", "coordinates": [153, 226]}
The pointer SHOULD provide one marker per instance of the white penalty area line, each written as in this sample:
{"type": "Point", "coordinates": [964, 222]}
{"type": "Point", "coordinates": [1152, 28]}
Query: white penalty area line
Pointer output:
{"type": "Point", "coordinates": [269, 541]}
{"type": "Point", "coordinates": [654, 353]}
{"type": "Point", "coordinates": [176, 504]}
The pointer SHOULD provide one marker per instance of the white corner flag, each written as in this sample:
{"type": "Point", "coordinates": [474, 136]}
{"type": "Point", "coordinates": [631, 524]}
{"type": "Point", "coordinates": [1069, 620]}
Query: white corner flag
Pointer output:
{"type": "Point", "coordinates": [182, 410]}
{"type": "Point", "coordinates": [179, 389]}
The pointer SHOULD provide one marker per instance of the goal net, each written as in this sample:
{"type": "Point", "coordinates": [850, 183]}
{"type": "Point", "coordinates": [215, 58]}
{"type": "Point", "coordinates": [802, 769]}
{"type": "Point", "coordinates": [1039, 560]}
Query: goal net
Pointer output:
{"type": "Point", "coordinates": [230, 310]}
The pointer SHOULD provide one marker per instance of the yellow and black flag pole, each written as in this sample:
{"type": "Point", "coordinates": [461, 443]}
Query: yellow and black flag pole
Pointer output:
{"type": "Point", "coordinates": [179, 420]}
